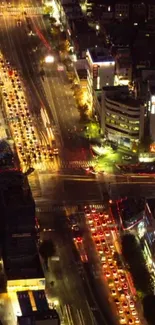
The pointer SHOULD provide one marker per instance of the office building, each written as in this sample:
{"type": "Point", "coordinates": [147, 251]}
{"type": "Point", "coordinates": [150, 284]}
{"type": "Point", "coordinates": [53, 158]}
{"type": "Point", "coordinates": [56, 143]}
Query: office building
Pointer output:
{"type": "Point", "coordinates": [22, 264]}
{"type": "Point", "coordinates": [16, 202]}
{"type": "Point", "coordinates": [101, 66]}
{"type": "Point", "coordinates": [122, 116]}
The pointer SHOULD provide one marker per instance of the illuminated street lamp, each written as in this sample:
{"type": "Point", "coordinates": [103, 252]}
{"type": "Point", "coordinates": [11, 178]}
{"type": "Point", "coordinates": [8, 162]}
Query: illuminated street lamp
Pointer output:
{"type": "Point", "coordinates": [49, 59]}
{"type": "Point", "coordinates": [97, 27]}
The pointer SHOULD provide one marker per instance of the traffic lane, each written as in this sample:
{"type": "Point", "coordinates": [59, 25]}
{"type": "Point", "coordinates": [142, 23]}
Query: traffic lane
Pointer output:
{"type": "Point", "coordinates": [33, 83]}
{"type": "Point", "coordinates": [66, 271]}
{"type": "Point", "coordinates": [95, 276]}
{"type": "Point", "coordinates": [84, 191]}
{"type": "Point", "coordinates": [60, 190]}
{"type": "Point", "coordinates": [62, 106]}
{"type": "Point", "coordinates": [66, 103]}
{"type": "Point", "coordinates": [101, 309]}
{"type": "Point", "coordinates": [24, 45]}
{"type": "Point", "coordinates": [87, 292]}
{"type": "Point", "coordinates": [107, 243]}
{"type": "Point", "coordinates": [7, 47]}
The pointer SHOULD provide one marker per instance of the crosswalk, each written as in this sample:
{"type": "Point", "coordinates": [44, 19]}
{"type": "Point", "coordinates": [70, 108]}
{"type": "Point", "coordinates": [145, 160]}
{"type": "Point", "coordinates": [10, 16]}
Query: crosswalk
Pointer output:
{"type": "Point", "coordinates": [15, 11]}
{"type": "Point", "coordinates": [57, 207]}
{"type": "Point", "coordinates": [63, 166]}
{"type": "Point", "coordinates": [76, 164]}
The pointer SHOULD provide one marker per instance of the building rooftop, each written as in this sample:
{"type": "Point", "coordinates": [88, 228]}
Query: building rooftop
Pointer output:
{"type": "Point", "coordinates": [16, 200]}
{"type": "Point", "coordinates": [21, 260]}
{"type": "Point", "coordinates": [121, 94]}
{"type": "Point", "coordinates": [100, 55]}
{"type": "Point", "coordinates": [35, 310]}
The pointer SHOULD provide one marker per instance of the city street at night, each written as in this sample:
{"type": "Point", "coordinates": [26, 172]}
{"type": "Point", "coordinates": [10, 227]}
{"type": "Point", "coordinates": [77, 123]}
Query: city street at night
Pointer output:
{"type": "Point", "coordinates": [77, 157]}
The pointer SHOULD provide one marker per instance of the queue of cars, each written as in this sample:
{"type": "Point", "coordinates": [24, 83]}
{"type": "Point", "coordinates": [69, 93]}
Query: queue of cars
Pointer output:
{"type": "Point", "coordinates": [29, 146]}
{"type": "Point", "coordinates": [103, 232]}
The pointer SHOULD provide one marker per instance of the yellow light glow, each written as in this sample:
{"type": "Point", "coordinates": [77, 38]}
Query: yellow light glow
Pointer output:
{"type": "Point", "coordinates": [49, 59]}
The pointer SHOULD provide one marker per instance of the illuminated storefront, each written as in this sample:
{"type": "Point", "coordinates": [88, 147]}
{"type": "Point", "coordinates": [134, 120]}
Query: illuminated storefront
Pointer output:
{"type": "Point", "coordinates": [25, 284]}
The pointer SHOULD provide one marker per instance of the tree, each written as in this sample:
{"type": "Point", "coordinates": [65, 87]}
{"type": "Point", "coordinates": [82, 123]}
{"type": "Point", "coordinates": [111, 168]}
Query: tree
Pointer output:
{"type": "Point", "coordinates": [133, 256]}
{"type": "Point", "coordinates": [47, 249]}
{"type": "Point", "coordinates": [52, 20]}
{"type": "Point", "coordinates": [48, 10]}
{"type": "Point", "coordinates": [149, 308]}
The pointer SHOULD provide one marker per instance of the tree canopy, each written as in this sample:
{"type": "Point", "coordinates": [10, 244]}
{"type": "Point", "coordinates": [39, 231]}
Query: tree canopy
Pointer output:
{"type": "Point", "coordinates": [149, 308]}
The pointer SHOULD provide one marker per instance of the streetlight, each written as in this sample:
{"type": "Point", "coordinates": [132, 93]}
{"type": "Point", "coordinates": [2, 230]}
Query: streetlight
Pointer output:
{"type": "Point", "coordinates": [49, 59]}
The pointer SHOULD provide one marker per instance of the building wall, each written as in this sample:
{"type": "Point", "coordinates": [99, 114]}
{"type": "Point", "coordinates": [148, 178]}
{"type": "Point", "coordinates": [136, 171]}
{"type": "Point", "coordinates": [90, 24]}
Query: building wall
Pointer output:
{"type": "Point", "coordinates": [102, 73]}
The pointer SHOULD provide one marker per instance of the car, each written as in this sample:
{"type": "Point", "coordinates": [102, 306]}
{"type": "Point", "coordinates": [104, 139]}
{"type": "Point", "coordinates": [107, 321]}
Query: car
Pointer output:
{"type": "Point", "coordinates": [78, 239]}
{"type": "Point", "coordinates": [100, 233]}
{"type": "Point", "coordinates": [103, 241]}
{"type": "Point", "coordinates": [113, 292]}
{"type": "Point", "coordinates": [107, 233]}
{"type": "Point", "coordinates": [131, 304]}
{"type": "Point", "coordinates": [120, 311]}
{"type": "Point", "coordinates": [76, 228]}
{"type": "Point", "coordinates": [114, 271]}
{"type": "Point", "coordinates": [103, 258]}
{"type": "Point", "coordinates": [107, 274]}
{"type": "Point", "coordinates": [116, 301]}
{"type": "Point", "coordinates": [136, 320]}
{"type": "Point", "coordinates": [111, 266]}
{"type": "Point", "coordinates": [100, 251]}
{"type": "Point", "coordinates": [109, 259]}
{"type": "Point", "coordinates": [122, 320]}
{"type": "Point", "coordinates": [122, 278]}
{"type": "Point", "coordinates": [87, 213]}
{"type": "Point", "coordinates": [125, 305]}
{"type": "Point", "coordinates": [125, 286]}
{"type": "Point", "coordinates": [97, 242]}
{"type": "Point", "coordinates": [134, 312]}
{"type": "Point", "coordinates": [90, 221]}
{"type": "Point", "coordinates": [92, 228]}
{"type": "Point", "coordinates": [106, 250]}
{"type": "Point", "coordinates": [94, 235]}
{"type": "Point", "coordinates": [125, 157]}
{"type": "Point", "coordinates": [104, 265]}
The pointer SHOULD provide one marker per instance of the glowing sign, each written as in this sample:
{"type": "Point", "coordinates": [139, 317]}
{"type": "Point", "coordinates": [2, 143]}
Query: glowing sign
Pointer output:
{"type": "Point", "coordinates": [95, 71]}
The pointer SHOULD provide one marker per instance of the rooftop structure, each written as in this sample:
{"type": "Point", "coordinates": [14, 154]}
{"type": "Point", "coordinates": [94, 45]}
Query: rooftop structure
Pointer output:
{"type": "Point", "coordinates": [31, 307]}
